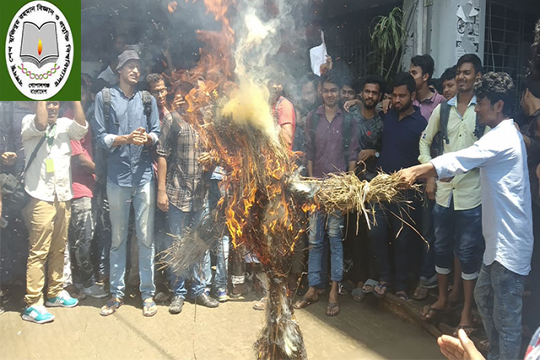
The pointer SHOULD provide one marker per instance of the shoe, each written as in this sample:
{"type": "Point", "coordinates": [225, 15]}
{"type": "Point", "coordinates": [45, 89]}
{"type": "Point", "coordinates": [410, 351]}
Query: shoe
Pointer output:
{"type": "Point", "coordinates": [207, 301]}
{"type": "Point", "coordinates": [176, 305]}
{"type": "Point", "coordinates": [37, 314]}
{"type": "Point", "coordinates": [222, 296]}
{"type": "Point", "coordinates": [261, 304]}
{"type": "Point", "coordinates": [62, 300]}
{"type": "Point", "coordinates": [95, 291]}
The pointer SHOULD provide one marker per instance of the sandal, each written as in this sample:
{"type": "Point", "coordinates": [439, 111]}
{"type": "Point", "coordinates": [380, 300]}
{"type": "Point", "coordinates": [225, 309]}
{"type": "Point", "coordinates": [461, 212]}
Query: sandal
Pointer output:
{"type": "Point", "coordinates": [402, 295]}
{"type": "Point", "coordinates": [469, 330]}
{"type": "Point", "coordinates": [368, 286]}
{"type": "Point", "coordinates": [420, 293]}
{"type": "Point", "coordinates": [428, 312]}
{"type": "Point", "coordinates": [358, 295]}
{"type": "Point", "coordinates": [332, 309]}
{"type": "Point", "coordinates": [383, 290]}
{"type": "Point", "coordinates": [304, 302]}
{"type": "Point", "coordinates": [111, 307]}
{"type": "Point", "coordinates": [149, 308]}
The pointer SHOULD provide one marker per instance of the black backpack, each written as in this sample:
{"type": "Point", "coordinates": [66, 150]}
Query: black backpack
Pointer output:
{"type": "Point", "coordinates": [345, 130]}
{"type": "Point", "coordinates": [101, 155]}
{"type": "Point", "coordinates": [441, 137]}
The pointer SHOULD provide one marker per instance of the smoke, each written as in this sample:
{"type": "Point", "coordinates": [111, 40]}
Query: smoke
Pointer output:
{"type": "Point", "coordinates": [259, 40]}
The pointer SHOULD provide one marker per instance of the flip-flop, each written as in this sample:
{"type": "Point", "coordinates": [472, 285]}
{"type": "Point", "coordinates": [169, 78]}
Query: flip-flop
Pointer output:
{"type": "Point", "coordinates": [358, 295]}
{"type": "Point", "coordinates": [432, 312]}
{"type": "Point", "coordinates": [149, 308]}
{"type": "Point", "coordinates": [469, 330]}
{"type": "Point", "coordinates": [304, 303]}
{"type": "Point", "coordinates": [111, 307]}
{"type": "Point", "coordinates": [331, 309]}
{"type": "Point", "coordinates": [420, 293]}
{"type": "Point", "coordinates": [384, 287]}
{"type": "Point", "coordinates": [402, 295]}
{"type": "Point", "coordinates": [368, 286]}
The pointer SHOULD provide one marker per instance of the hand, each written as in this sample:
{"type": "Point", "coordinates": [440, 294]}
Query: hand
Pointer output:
{"type": "Point", "coordinates": [386, 105]}
{"type": "Point", "coordinates": [366, 154]}
{"type": "Point", "coordinates": [137, 137]}
{"type": "Point", "coordinates": [172, 6]}
{"type": "Point", "coordinates": [408, 175]}
{"type": "Point", "coordinates": [431, 188]}
{"type": "Point", "coordinates": [459, 349]}
{"type": "Point", "coordinates": [163, 201]}
{"type": "Point", "coordinates": [206, 160]}
{"type": "Point", "coordinates": [350, 103]}
{"type": "Point", "coordinates": [8, 158]}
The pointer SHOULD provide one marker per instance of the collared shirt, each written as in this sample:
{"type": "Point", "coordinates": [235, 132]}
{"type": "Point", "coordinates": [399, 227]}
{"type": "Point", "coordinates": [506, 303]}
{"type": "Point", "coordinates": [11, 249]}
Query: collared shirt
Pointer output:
{"type": "Point", "coordinates": [127, 165]}
{"type": "Point", "coordinates": [531, 129]}
{"type": "Point", "coordinates": [187, 181]}
{"type": "Point", "coordinates": [400, 140]}
{"type": "Point", "coordinates": [428, 105]}
{"type": "Point", "coordinates": [370, 133]}
{"type": "Point", "coordinates": [326, 150]}
{"type": "Point", "coordinates": [39, 183]}
{"type": "Point", "coordinates": [83, 182]}
{"type": "Point", "coordinates": [506, 195]}
{"type": "Point", "coordinates": [284, 114]}
{"type": "Point", "coordinates": [464, 189]}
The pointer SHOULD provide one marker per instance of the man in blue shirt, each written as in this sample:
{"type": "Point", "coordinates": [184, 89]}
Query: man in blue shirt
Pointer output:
{"type": "Point", "coordinates": [129, 135]}
{"type": "Point", "coordinates": [403, 125]}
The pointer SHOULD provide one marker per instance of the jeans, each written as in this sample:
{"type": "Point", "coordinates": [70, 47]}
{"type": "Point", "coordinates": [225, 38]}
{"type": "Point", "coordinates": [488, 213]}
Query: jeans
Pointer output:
{"type": "Point", "coordinates": [102, 230]}
{"type": "Point", "coordinates": [80, 236]}
{"type": "Point", "coordinates": [178, 222]}
{"type": "Point", "coordinates": [318, 224]}
{"type": "Point", "coordinates": [498, 294]}
{"type": "Point", "coordinates": [222, 260]}
{"type": "Point", "coordinates": [465, 228]}
{"type": "Point", "coordinates": [143, 199]}
{"type": "Point", "coordinates": [385, 219]}
{"type": "Point", "coordinates": [427, 271]}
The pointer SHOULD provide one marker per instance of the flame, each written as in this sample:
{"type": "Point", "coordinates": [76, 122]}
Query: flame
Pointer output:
{"type": "Point", "coordinates": [39, 47]}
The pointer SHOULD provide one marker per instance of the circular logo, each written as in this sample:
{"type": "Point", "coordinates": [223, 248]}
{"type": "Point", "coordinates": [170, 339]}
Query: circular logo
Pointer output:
{"type": "Point", "coordinates": [39, 50]}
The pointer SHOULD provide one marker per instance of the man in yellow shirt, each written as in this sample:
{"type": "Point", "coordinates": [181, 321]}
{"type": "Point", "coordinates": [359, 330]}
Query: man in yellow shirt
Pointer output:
{"type": "Point", "coordinates": [457, 212]}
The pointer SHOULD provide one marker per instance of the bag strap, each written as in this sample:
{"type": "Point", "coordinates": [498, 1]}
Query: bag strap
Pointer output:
{"type": "Point", "coordinates": [443, 125]}
{"type": "Point", "coordinates": [147, 102]}
{"type": "Point", "coordinates": [32, 157]}
{"type": "Point", "coordinates": [106, 93]}
{"type": "Point", "coordinates": [346, 133]}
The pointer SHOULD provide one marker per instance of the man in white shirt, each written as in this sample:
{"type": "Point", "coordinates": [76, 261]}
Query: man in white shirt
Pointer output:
{"type": "Point", "coordinates": [48, 182]}
{"type": "Point", "coordinates": [506, 218]}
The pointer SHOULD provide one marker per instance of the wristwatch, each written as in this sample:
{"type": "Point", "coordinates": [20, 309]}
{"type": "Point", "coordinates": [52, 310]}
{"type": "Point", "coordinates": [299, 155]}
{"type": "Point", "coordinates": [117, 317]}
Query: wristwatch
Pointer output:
{"type": "Point", "coordinates": [377, 154]}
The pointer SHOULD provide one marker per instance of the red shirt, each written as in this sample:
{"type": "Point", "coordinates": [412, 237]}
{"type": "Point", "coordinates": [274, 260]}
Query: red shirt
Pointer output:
{"type": "Point", "coordinates": [82, 182]}
{"type": "Point", "coordinates": [283, 112]}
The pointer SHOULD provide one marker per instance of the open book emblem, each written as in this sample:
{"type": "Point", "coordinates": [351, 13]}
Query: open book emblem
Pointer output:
{"type": "Point", "coordinates": [39, 44]}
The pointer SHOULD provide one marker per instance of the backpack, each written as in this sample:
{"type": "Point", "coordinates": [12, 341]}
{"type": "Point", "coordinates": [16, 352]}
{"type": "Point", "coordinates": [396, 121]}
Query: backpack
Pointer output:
{"type": "Point", "coordinates": [345, 130]}
{"type": "Point", "coordinates": [442, 135]}
{"type": "Point", "coordinates": [101, 155]}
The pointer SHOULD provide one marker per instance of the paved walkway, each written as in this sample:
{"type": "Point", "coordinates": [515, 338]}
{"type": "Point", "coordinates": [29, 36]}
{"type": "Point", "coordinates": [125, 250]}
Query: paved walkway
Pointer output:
{"type": "Point", "coordinates": [361, 331]}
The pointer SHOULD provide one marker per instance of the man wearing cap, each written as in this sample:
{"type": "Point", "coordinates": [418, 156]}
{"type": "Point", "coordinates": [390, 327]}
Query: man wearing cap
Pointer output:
{"type": "Point", "coordinates": [129, 133]}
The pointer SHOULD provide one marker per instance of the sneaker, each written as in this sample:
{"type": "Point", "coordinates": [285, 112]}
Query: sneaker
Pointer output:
{"type": "Point", "coordinates": [62, 300]}
{"type": "Point", "coordinates": [95, 291]}
{"type": "Point", "coordinates": [222, 296]}
{"type": "Point", "coordinates": [176, 305]}
{"type": "Point", "coordinates": [261, 304]}
{"type": "Point", "coordinates": [207, 301]}
{"type": "Point", "coordinates": [37, 314]}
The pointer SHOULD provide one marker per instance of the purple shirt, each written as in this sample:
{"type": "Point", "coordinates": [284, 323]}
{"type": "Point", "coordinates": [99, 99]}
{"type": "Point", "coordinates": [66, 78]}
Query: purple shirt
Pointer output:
{"type": "Point", "coordinates": [428, 105]}
{"type": "Point", "coordinates": [326, 150]}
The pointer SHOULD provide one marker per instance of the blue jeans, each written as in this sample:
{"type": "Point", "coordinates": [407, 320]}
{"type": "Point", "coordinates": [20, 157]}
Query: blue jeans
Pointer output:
{"type": "Point", "coordinates": [102, 230]}
{"type": "Point", "coordinates": [143, 199]}
{"type": "Point", "coordinates": [318, 224]}
{"type": "Point", "coordinates": [222, 263]}
{"type": "Point", "coordinates": [498, 294]}
{"type": "Point", "coordinates": [465, 228]}
{"type": "Point", "coordinates": [178, 222]}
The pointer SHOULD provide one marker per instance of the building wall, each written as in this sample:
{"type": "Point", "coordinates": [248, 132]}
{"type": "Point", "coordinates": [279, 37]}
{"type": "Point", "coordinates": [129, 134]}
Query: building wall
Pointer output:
{"type": "Point", "coordinates": [435, 30]}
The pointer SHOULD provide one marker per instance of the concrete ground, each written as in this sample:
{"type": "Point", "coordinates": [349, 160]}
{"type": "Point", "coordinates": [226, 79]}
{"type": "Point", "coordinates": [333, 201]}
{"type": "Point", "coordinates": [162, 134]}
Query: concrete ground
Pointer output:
{"type": "Point", "coordinates": [361, 331]}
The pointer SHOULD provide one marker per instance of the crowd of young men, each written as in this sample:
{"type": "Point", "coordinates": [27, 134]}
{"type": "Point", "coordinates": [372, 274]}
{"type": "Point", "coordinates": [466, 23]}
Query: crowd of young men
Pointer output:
{"type": "Point", "coordinates": [131, 157]}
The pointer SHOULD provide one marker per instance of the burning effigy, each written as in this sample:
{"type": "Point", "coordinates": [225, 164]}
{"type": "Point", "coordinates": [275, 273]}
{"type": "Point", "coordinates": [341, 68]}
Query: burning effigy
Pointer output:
{"type": "Point", "coordinates": [266, 202]}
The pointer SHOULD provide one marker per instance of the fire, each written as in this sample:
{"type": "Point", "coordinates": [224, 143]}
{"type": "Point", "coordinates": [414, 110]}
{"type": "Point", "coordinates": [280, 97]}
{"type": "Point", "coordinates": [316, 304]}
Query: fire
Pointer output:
{"type": "Point", "coordinates": [39, 47]}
